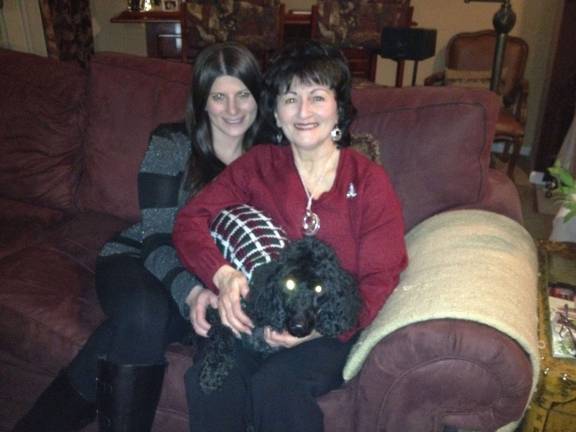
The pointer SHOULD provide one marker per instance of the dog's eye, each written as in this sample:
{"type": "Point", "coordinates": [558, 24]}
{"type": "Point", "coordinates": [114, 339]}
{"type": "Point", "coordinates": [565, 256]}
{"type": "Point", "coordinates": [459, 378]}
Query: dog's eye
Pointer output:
{"type": "Point", "coordinates": [318, 289]}
{"type": "Point", "coordinates": [290, 284]}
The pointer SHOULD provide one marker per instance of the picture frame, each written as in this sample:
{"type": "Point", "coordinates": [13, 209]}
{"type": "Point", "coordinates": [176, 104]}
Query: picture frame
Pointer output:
{"type": "Point", "coordinates": [170, 5]}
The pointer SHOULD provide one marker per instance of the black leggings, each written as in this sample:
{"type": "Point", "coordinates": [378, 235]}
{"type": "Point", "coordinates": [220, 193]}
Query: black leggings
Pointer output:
{"type": "Point", "coordinates": [276, 394]}
{"type": "Point", "coordinates": [142, 320]}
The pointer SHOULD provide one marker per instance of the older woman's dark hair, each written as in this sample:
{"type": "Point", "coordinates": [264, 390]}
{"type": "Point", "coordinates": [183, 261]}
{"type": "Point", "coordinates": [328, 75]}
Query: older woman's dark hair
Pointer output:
{"type": "Point", "coordinates": [215, 61]}
{"type": "Point", "coordinates": [309, 62]}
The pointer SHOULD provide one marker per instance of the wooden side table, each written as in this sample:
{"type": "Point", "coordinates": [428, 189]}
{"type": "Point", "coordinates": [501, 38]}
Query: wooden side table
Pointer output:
{"type": "Point", "coordinates": [163, 32]}
{"type": "Point", "coordinates": [553, 408]}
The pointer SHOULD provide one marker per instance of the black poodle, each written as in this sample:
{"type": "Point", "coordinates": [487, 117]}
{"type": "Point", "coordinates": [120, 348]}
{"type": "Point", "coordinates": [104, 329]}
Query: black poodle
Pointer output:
{"type": "Point", "coordinates": [304, 289]}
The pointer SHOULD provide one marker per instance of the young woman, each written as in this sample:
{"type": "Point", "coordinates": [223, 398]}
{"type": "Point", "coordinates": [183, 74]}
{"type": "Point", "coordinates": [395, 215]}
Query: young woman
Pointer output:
{"type": "Point", "coordinates": [146, 293]}
{"type": "Point", "coordinates": [311, 184]}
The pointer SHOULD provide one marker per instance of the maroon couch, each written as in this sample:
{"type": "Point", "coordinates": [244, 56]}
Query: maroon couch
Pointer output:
{"type": "Point", "coordinates": [71, 142]}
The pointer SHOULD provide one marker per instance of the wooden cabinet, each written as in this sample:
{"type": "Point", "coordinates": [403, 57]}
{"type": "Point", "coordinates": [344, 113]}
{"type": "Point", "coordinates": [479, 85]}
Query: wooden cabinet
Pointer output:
{"type": "Point", "coordinates": [297, 26]}
{"type": "Point", "coordinates": [164, 34]}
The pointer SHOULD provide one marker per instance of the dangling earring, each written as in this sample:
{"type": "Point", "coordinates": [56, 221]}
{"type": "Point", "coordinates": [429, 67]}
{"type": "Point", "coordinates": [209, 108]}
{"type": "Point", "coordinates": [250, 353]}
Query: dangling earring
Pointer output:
{"type": "Point", "coordinates": [336, 134]}
{"type": "Point", "coordinates": [279, 137]}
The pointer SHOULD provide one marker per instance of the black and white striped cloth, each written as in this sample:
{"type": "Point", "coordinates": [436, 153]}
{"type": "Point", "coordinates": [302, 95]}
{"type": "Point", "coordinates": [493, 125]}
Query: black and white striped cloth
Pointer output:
{"type": "Point", "coordinates": [247, 237]}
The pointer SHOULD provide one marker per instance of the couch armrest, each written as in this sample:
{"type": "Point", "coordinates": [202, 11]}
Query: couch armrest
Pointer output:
{"type": "Point", "coordinates": [434, 373]}
{"type": "Point", "coordinates": [501, 196]}
{"type": "Point", "coordinates": [457, 342]}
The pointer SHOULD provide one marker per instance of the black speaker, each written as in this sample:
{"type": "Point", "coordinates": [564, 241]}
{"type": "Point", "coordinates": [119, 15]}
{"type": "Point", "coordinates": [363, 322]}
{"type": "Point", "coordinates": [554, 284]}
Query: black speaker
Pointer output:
{"type": "Point", "coordinates": [406, 43]}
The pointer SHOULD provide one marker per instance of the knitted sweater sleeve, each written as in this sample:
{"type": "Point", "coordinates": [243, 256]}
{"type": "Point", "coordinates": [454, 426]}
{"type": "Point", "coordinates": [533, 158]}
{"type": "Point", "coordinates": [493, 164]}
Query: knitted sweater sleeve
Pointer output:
{"type": "Point", "coordinates": [191, 235]}
{"type": "Point", "coordinates": [159, 185]}
{"type": "Point", "coordinates": [159, 182]}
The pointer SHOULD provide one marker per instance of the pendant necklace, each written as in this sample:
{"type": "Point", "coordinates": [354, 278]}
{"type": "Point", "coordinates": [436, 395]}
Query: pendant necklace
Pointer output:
{"type": "Point", "coordinates": [311, 221]}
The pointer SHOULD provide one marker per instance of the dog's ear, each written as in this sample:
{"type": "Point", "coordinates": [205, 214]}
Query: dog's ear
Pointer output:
{"type": "Point", "coordinates": [340, 312]}
{"type": "Point", "coordinates": [341, 303]}
{"type": "Point", "coordinates": [264, 303]}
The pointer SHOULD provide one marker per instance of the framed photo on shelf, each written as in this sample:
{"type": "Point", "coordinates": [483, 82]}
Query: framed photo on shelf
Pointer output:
{"type": "Point", "coordinates": [562, 309]}
{"type": "Point", "coordinates": [170, 5]}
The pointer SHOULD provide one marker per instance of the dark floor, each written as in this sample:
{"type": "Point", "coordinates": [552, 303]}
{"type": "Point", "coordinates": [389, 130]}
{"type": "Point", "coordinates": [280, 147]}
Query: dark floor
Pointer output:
{"type": "Point", "coordinates": [538, 211]}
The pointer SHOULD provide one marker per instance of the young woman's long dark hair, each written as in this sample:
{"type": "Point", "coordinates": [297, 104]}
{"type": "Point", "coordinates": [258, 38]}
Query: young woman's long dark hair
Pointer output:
{"type": "Point", "coordinates": [214, 61]}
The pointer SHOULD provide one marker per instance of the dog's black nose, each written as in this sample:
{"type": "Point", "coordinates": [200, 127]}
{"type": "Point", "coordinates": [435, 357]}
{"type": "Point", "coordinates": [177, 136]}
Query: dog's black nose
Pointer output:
{"type": "Point", "coordinates": [300, 327]}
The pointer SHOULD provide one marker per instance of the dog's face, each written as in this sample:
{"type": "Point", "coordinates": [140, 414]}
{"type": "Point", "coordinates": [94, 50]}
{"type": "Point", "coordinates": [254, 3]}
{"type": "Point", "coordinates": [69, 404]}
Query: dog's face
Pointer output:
{"type": "Point", "coordinates": [304, 290]}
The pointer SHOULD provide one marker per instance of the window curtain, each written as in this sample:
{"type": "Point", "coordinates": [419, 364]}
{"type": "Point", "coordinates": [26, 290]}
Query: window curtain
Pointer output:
{"type": "Point", "coordinates": [68, 29]}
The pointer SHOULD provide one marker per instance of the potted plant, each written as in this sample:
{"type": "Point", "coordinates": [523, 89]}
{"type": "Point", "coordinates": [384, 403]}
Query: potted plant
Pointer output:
{"type": "Point", "coordinates": [564, 224]}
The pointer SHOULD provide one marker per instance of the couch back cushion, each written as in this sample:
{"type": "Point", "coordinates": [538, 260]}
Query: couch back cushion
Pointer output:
{"type": "Point", "coordinates": [128, 97]}
{"type": "Point", "coordinates": [41, 126]}
{"type": "Point", "coordinates": [434, 143]}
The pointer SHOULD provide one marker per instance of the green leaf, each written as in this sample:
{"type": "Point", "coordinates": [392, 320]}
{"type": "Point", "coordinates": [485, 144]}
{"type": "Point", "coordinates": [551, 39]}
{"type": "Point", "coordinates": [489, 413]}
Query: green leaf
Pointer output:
{"type": "Point", "coordinates": [571, 207]}
{"type": "Point", "coordinates": [569, 215]}
{"type": "Point", "coordinates": [562, 175]}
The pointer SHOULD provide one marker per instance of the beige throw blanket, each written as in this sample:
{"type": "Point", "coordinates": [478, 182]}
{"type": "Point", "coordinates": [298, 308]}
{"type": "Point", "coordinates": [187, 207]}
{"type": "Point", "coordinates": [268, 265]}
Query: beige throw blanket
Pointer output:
{"type": "Point", "coordinates": [486, 261]}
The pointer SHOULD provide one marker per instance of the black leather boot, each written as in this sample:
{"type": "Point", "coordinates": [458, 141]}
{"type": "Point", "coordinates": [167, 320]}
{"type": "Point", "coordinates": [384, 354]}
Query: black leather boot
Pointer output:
{"type": "Point", "coordinates": [60, 408]}
{"type": "Point", "coordinates": [127, 396]}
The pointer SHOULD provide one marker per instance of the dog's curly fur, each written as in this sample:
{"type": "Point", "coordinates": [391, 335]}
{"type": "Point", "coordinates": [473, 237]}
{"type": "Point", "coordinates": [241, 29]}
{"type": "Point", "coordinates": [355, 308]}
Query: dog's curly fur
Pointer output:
{"type": "Point", "coordinates": [321, 296]}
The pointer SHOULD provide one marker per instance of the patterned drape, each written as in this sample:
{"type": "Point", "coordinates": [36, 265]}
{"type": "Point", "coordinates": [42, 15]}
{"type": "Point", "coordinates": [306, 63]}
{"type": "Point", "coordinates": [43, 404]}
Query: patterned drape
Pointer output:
{"type": "Point", "coordinates": [68, 29]}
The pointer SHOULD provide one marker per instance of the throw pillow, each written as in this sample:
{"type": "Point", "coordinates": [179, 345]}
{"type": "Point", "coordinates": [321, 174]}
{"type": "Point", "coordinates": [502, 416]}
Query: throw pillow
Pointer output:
{"type": "Point", "coordinates": [467, 78]}
{"type": "Point", "coordinates": [471, 78]}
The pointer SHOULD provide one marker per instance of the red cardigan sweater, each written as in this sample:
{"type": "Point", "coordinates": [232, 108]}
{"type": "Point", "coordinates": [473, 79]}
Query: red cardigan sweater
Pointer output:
{"type": "Point", "coordinates": [364, 228]}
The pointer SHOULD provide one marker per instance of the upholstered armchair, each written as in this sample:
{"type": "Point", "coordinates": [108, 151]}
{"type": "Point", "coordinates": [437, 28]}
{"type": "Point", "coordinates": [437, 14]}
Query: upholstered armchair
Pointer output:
{"type": "Point", "coordinates": [356, 28]}
{"type": "Point", "coordinates": [257, 24]}
{"type": "Point", "coordinates": [469, 58]}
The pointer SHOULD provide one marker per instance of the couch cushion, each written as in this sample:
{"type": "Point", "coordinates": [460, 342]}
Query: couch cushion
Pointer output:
{"type": "Point", "coordinates": [41, 124]}
{"type": "Point", "coordinates": [46, 295]}
{"type": "Point", "coordinates": [454, 127]}
{"type": "Point", "coordinates": [23, 224]}
{"type": "Point", "coordinates": [128, 97]}
{"type": "Point", "coordinates": [41, 300]}
{"type": "Point", "coordinates": [81, 237]}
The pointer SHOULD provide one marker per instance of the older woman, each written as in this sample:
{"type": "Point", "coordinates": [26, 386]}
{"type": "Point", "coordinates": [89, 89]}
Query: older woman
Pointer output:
{"type": "Point", "coordinates": [310, 184]}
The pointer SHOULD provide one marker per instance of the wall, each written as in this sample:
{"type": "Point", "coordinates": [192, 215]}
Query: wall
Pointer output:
{"type": "Point", "coordinates": [21, 24]}
{"type": "Point", "coordinates": [298, 4]}
{"type": "Point", "coordinates": [126, 38]}
{"type": "Point", "coordinates": [3, 34]}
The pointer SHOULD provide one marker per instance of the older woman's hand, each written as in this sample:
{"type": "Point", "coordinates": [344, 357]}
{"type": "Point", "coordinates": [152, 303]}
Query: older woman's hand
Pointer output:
{"type": "Point", "coordinates": [233, 286]}
{"type": "Point", "coordinates": [199, 300]}
{"type": "Point", "coordinates": [285, 339]}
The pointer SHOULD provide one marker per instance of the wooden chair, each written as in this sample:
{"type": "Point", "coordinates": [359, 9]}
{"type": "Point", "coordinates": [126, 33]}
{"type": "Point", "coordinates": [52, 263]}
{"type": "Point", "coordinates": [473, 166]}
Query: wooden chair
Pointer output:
{"type": "Point", "coordinates": [469, 58]}
{"type": "Point", "coordinates": [355, 27]}
{"type": "Point", "coordinates": [257, 24]}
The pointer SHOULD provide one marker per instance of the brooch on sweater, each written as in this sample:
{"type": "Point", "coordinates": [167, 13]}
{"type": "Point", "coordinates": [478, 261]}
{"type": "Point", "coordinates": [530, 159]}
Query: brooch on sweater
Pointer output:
{"type": "Point", "coordinates": [351, 191]}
